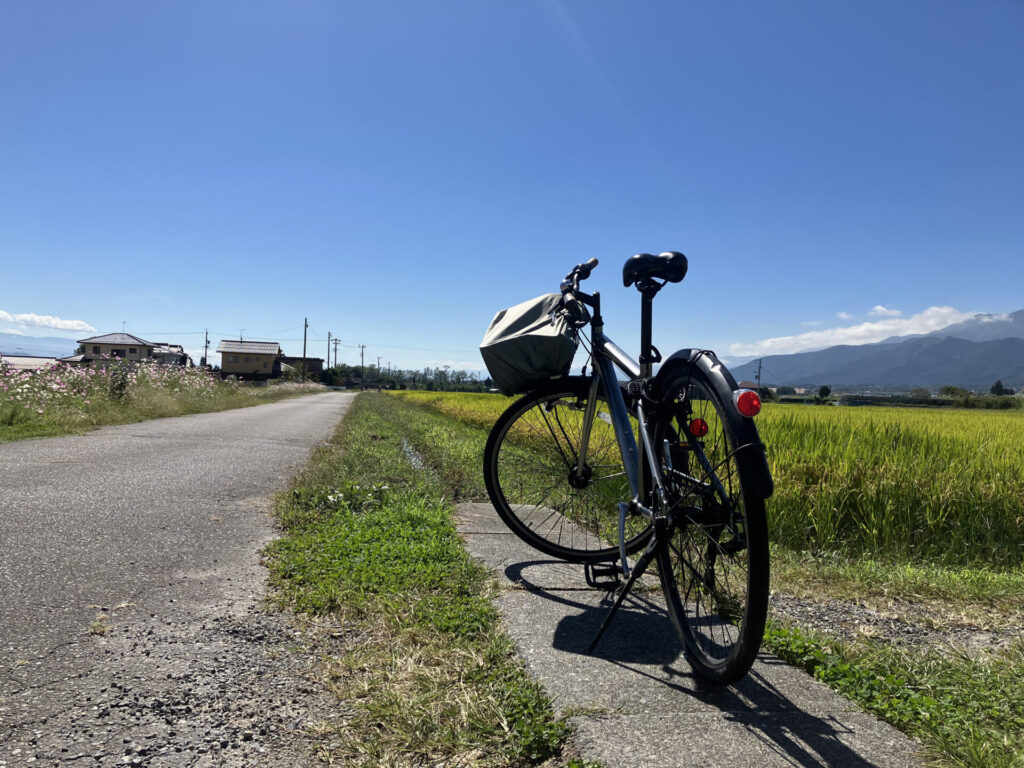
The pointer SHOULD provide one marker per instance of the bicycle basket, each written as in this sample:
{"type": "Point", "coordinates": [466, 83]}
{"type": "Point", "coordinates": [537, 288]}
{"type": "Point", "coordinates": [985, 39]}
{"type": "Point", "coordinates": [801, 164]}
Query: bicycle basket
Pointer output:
{"type": "Point", "coordinates": [529, 344]}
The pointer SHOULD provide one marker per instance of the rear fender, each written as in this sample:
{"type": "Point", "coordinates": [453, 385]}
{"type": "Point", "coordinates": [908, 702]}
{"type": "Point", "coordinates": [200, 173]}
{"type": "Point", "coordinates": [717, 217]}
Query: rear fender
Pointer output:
{"type": "Point", "coordinates": [752, 453]}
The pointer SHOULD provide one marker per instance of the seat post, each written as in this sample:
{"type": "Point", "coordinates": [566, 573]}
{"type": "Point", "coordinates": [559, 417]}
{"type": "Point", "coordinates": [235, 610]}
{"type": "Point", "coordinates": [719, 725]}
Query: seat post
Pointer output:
{"type": "Point", "coordinates": [648, 290]}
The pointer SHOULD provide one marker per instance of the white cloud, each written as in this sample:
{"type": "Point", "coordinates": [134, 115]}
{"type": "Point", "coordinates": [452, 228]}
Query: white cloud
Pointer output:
{"type": "Point", "coordinates": [994, 318]}
{"type": "Point", "coordinates": [811, 323]}
{"type": "Point", "coordinates": [844, 315]}
{"type": "Point", "coordinates": [931, 319]}
{"type": "Point", "coordinates": [879, 311]}
{"type": "Point", "coordinates": [45, 321]}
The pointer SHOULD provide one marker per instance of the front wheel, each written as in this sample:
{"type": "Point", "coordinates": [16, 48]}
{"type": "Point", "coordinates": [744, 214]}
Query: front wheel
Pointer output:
{"type": "Point", "coordinates": [536, 482]}
{"type": "Point", "coordinates": [714, 566]}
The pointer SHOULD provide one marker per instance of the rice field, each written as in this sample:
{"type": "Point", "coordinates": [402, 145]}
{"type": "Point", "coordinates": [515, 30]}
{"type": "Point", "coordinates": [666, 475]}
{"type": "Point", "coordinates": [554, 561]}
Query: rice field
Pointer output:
{"type": "Point", "coordinates": [917, 485]}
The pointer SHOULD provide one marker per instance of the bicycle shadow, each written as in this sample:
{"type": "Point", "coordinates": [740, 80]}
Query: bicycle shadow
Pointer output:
{"type": "Point", "coordinates": [641, 635]}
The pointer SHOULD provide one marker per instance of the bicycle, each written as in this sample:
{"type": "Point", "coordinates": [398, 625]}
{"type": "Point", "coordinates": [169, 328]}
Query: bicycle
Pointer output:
{"type": "Point", "coordinates": [591, 469]}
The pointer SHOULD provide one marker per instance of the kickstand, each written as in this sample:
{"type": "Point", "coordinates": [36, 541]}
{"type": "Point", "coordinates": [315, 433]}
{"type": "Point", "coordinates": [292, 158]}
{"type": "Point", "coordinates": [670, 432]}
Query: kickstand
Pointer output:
{"type": "Point", "coordinates": [636, 573]}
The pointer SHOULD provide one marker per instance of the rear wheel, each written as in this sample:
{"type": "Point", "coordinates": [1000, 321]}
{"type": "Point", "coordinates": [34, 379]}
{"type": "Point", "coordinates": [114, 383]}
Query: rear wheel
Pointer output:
{"type": "Point", "coordinates": [530, 468]}
{"type": "Point", "coordinates": [714, 566]}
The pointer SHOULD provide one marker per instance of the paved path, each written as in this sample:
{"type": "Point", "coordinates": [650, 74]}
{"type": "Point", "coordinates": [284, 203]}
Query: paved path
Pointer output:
{"type": "Point", "coordinates": [157, 526]}
{"type": "Point", "coordinates": [641, 704]}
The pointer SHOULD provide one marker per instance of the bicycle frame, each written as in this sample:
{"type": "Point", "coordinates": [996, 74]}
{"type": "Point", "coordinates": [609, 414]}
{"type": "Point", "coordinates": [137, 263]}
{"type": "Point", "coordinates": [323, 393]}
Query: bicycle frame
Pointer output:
{"type": "Point", "coordinates": [607, 356]}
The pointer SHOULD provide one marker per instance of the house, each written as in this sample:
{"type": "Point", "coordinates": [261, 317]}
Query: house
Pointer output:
{"type": "Point", "coordinates": [172, 354]}
{"type": "Point", "coordinates": [119, 345]}
{"type": "Point", "coordinates": [314, 365]}
{"type": "Point", "coordinates": [259, 360]}
{"type": "Point", "coordinates": [27, 362]}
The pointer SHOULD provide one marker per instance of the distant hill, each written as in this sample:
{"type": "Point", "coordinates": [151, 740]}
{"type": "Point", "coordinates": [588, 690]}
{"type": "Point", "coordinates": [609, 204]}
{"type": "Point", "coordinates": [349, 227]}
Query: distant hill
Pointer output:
{"type": "Point", "coordinates": [43, 346]}
{"type": "Point", "coordinates": [943, 357]}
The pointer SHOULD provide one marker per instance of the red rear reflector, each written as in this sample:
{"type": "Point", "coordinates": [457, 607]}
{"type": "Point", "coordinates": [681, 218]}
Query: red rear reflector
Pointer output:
{"type": "Point", "coordinates": [747, 402]}
{"type": "Point", "coordinates": [698, 427]}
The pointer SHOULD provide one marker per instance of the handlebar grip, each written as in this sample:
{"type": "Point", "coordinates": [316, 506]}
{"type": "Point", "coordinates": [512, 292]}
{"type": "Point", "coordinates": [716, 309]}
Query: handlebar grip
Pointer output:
{"type": "Point", "coordinates": [576, 309]}
{"type": "Point", "coordinates": [585, 268]}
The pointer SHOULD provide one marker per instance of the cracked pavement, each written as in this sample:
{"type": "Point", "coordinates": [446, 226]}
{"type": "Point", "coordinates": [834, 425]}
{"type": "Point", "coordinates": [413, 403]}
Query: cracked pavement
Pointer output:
{"type": "Point", "coordinates": [131, 630]}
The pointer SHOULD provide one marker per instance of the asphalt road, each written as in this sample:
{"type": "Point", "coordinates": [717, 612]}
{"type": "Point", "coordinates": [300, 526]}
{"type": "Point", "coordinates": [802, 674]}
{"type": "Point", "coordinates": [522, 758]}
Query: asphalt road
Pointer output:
{"type": "Point", "coordinates": [157, 526]}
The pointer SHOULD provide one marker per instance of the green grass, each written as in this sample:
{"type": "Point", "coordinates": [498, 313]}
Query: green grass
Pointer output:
{"type": "Point", "coordinates": [869, 506]}
{"type": "Point", "coordinates": [370, 542]}
{"type": "Point", "coordinates": [842, 576]}
{"type": "Point", "coordinates": [965, 709]}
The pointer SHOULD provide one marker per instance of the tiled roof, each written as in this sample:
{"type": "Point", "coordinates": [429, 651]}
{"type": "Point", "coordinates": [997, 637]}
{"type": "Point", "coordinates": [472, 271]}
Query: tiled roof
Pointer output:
{"type": "Point", "coordinates": [117, 338]}
{"type": "Point", "coordinates": [249, 347]}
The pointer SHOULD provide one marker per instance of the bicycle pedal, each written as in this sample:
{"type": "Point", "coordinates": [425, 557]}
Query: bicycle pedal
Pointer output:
{"type": "Point", "coordinates": [602, 575]}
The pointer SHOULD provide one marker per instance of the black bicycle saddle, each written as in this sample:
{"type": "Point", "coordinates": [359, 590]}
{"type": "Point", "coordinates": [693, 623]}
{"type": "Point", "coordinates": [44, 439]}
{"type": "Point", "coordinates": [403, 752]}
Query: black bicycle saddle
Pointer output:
{"type": "Point", "coordinates": [670, 266]}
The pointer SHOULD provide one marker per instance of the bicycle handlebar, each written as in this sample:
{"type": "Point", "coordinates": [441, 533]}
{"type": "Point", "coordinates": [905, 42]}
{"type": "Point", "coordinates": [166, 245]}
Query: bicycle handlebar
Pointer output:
{"type": "Point", "coordinates": [580, 272]}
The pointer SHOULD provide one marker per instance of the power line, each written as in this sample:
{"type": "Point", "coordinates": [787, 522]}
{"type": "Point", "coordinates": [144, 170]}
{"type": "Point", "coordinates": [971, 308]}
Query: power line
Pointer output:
{"type": "Point", "coordinates": [234, 334]}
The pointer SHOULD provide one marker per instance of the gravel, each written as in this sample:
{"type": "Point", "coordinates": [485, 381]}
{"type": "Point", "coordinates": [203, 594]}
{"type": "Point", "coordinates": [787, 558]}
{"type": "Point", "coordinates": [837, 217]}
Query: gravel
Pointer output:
{"type": "Point", "coordinates": [222, 690]}
{"type": "Point", "coordinates": [905, 624]}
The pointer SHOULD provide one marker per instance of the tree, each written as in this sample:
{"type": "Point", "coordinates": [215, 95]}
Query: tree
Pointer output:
{"type": "Point", "coordinates": [921, 393]}
{"type": "Point", "coordinates": [998, 388]}
{"type": "Point", "coordinates": [824, 391]}
{"type": "Point", "coordinates": [950, 391]}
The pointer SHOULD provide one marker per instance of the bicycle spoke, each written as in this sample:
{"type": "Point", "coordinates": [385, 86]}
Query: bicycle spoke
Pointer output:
{"type": "Point", "coordinates": [550, 495]}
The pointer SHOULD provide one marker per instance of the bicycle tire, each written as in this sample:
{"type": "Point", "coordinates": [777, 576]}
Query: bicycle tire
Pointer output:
{"type": "Point", "coordinates": [714, 566]}
{"type": "Point", "coordinates": [528, 459]}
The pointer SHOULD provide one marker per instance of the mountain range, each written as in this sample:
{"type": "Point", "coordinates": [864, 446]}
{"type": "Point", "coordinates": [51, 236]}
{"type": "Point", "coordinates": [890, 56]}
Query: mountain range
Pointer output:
{"type": "Point", "coordinates": [972, 354]}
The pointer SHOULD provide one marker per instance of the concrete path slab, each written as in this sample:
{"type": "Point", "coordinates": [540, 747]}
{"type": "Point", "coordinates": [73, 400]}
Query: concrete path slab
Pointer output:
{"type": "Point", "coordinates": [636, 701]}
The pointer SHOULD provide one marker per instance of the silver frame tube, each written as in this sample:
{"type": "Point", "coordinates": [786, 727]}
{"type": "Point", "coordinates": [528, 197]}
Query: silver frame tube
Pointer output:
{"type": "Point", "coordinates": [626, 364]}
{"type": "Point", "coordinates": [605, 353]}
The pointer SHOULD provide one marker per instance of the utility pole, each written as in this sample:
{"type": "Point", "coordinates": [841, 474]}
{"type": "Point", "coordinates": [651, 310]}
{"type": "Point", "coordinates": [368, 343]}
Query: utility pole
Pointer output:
{"type": "Point", "coordinates": [328, 358]}
{"type": "Point", "coordinates": [336, 342]}
{"type": "Point", "coordinates": [759, 375]}
{"type": "Point", "coordinates": [206, 343]}
{"type": "Point", "coordinates": [305, 320]}
{"type": "Point", "coordinates": [362, 366]}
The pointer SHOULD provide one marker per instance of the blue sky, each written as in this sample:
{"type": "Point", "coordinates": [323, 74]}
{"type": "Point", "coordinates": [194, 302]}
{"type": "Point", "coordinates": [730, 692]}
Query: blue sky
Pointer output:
{"type": "Point", "coordinates": [399, 171]}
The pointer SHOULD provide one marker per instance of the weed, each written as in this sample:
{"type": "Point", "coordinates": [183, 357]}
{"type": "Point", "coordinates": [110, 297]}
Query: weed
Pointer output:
{"type": "Point", "coordinates": [99, 625]}
{"type": "Point", "coordinates": [967, 710]}
{"type": "Point", "coordinates": [370, 542]}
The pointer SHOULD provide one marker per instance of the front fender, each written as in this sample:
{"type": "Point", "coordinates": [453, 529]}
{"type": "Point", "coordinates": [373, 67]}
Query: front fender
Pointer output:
{"type": "Point", "coordinates": [751, 455]}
